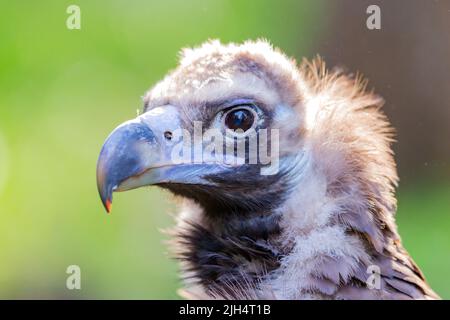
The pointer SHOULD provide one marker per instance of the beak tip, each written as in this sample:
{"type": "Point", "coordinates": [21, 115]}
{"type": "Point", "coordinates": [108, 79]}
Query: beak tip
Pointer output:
{"type": "Point", "coordinates": [108, 206]}
{"type": "Point", "coordinates": [122, 157]}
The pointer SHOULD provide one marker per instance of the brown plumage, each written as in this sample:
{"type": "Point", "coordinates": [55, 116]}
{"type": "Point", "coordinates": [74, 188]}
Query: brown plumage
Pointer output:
{"type": "Point", "coordinates": [316, 228]}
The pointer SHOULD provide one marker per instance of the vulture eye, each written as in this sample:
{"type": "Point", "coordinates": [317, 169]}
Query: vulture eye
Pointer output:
{"type": "Point", "coordinates": [239, 118]}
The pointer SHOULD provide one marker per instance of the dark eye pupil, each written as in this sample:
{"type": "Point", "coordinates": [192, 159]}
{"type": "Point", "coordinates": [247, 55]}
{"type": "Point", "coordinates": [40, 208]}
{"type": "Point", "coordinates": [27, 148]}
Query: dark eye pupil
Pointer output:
{"type": "Point", "coordinates": [239, 119]}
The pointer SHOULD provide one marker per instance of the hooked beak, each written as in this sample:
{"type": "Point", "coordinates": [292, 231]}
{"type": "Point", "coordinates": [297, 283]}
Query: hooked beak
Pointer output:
{"type": "Point", "coordinates": [135, 153]}
{"type": "Point", "coordinates": [122, 156]}
{"type": "Point", "coordinates": [139, 153]}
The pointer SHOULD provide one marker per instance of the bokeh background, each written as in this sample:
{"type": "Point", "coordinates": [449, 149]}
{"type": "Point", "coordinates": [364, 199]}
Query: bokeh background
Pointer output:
{"type": "Point", "coordinates": [62, 91]}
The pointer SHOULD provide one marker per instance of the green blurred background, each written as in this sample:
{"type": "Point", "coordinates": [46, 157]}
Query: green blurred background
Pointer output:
{"type": "Point", "coordinates": [62, 91]}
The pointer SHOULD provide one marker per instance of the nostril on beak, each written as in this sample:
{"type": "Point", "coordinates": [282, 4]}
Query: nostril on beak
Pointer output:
{"type": "Point", "coordinates": [168, 135]}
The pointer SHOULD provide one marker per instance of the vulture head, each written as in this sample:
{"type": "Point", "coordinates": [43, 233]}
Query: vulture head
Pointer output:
{"type": "Point", "coordinates": [284, 172]}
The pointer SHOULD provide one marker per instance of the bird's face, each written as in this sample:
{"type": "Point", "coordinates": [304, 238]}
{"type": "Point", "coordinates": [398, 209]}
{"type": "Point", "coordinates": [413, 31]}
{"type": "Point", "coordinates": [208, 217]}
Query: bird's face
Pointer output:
{"type": "Point", "coordinates": [224, 129]}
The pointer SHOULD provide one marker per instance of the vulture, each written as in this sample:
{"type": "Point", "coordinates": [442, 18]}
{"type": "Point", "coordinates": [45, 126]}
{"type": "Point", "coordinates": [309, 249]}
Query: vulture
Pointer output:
{"type": "Point", "coordinates": [311, 217]}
